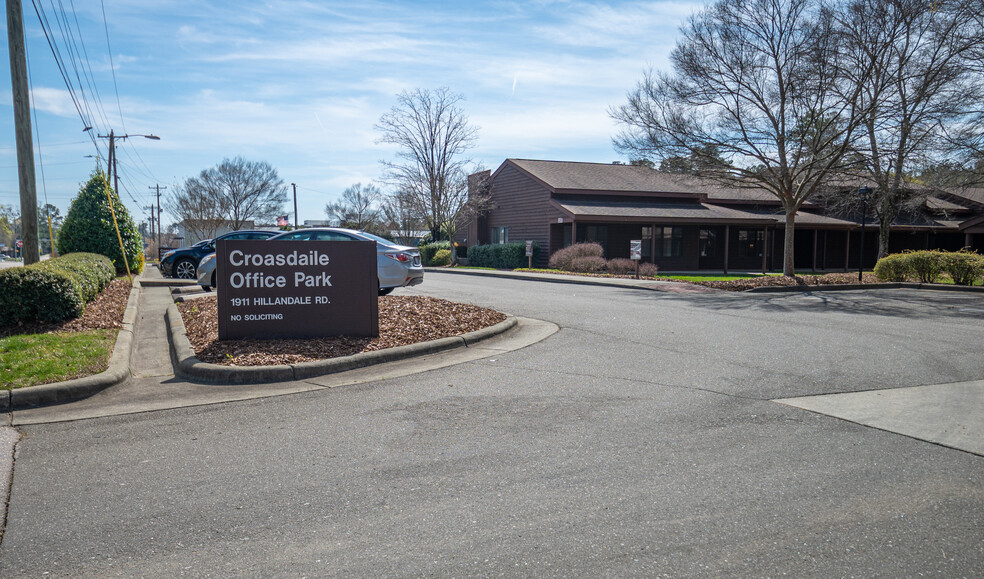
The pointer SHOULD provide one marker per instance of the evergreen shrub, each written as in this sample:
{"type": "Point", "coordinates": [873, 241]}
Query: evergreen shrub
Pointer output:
{"type": "Point", "coordinates": [89, 227]}
{"type": "Point", "coordinates": [427, 252]}
{"type": "Point", "coordinates": [501, 256]}
{"type": "Point", "coordinates": [964, 267]}
{"type": "Point", "coordinates": [894, 267]}
{"type": "Point", "coordinates": [442, 257]}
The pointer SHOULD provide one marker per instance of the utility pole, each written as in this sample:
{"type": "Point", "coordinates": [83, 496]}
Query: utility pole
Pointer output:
{"type": "Point", "coordinates": [159, 224]}
{"type": "Point", "coordinates": [294, 185]}
{"type": "Point", "coordinates": [151, 220]}
{"type": "Point", "coordinates": [22, 130]}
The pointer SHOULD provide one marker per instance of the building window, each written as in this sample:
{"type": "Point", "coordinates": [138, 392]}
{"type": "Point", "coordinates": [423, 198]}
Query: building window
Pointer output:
{"type": "Point", "coordinates": [499, 235]}
{"type": "Point", "coordinates": [669, 241]}
{"type": "Point", "coordinates": [751, 242]}
{"type": "Point", "coordinates": [647, 243]}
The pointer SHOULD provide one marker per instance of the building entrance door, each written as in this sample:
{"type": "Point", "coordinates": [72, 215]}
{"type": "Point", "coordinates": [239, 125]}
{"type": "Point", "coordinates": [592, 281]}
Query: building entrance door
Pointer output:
{"type": "Point", "coordinates": [711, 248]}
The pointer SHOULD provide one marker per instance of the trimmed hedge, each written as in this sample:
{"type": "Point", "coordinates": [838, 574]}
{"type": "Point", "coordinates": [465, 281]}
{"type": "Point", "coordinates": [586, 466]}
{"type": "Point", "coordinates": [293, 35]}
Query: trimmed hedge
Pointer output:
{"type": "Point", "coordinates": [501, 256]}
{"type": "Point", "coordinates": [963, 267]}
{"type": "Point", "coordinates": [620, 266]}
{"type": "Point", "coordinates": [54, 290]}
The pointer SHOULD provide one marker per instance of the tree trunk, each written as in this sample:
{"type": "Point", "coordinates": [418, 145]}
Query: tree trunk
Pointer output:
{"type": "Point", "coordinates": [788, 261]}
{"type": "Point", "coordinates": [884, 231]}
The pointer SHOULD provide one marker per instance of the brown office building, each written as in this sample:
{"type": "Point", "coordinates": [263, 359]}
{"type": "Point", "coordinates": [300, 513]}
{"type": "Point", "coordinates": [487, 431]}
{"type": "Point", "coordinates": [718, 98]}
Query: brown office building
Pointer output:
{"type": "Point", "coordinates": [685, 224]}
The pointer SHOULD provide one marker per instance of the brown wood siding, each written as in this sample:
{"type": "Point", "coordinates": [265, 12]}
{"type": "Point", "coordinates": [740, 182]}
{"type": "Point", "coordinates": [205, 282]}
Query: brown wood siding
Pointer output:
{"type": "Point", "coordinates": [522, 205]}
{"type": "Point", "coordinates": [691, 248]}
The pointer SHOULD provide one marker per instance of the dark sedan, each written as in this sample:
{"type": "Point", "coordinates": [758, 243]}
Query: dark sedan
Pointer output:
{"type": "Point", "coordinates": [182, 263]}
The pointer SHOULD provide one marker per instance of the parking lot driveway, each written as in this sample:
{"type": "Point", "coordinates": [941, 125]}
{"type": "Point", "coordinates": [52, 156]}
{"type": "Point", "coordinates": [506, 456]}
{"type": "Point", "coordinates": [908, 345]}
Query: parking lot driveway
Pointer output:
{"type": "Point", "coordinates": [642, 439]}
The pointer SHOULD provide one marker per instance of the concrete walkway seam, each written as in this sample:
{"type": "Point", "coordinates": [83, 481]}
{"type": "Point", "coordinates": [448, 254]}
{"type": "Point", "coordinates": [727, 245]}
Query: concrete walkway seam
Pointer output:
{"type": "Point", "coordinates": [188, 366]}
{"type": "Point", "coordinates": [69, 390]}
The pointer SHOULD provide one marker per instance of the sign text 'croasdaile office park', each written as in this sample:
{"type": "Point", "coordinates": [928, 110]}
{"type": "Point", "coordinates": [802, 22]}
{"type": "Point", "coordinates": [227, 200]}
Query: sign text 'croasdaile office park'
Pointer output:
{"type": "Point", "coordinates": [296, 289]}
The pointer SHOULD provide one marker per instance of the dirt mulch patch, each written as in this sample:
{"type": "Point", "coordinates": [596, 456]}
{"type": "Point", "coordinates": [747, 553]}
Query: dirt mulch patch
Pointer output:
{"type": "Point", "coordinates": [403, 320]}
{"type": "Point", "coordinates": [800, 280]}
{"type": "Point", "coordinates": [104, 313]}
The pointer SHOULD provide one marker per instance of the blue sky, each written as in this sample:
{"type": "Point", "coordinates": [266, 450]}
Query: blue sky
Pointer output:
{"type": "Point", "coordinates": [301, 84]}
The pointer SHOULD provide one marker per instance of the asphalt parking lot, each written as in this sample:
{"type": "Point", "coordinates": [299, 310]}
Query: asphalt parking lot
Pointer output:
{"type": "Point", "coordinates": [643, 438]}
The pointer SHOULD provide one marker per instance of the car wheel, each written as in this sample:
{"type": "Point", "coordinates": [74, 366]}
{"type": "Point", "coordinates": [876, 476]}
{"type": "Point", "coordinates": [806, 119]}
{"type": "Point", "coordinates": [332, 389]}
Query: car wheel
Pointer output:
{"type": "Point", "coordinates": [206, 288]}
{"type": "Point", "coordinates": [385, 291]}
{"type": "Point", "coordinates": [184, 269]}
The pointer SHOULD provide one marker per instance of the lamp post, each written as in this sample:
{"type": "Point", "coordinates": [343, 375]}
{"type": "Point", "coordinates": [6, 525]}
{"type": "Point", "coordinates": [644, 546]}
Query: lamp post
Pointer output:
{"type": "Point", "coordinates": [864, 192]}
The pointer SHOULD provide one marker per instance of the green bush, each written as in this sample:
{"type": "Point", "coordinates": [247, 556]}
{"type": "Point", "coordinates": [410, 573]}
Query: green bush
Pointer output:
{"type": "Point", "coordinates": [52, 291]}
{"type": "Point", "coordinates": [428, 251]}
{"type": "Point", "coordinates": [926, 266]}
{"type": "Point", "coordinates": [501, 256]}
{"type": "Point", "coordinates": [895, 267]}
{"type": "Point", "coordinates": [563, 258]}
{"type": "Point", "coordinates": [89, 227]}
{"type": "Point", "coordinates": [964, 267]}
{"type": "Point", "coordinates": [442, 257]}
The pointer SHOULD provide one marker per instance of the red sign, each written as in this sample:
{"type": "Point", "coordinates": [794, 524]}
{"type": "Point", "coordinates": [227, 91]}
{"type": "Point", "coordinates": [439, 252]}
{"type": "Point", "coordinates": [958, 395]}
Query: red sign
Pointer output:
{"type": "Point", "coordinates": [20, 243]}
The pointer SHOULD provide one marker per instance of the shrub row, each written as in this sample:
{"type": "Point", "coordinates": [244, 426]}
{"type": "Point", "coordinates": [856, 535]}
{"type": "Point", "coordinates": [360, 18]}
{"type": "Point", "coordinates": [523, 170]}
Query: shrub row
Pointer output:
{"type": "Point", "coordinates": [589, 258]}
{"type": "Point", "coordinates": [501, 256]}
{"type": "Point", "coordinates": [963, 267]}
{"type": "Point", "coordinates": [54, 290]}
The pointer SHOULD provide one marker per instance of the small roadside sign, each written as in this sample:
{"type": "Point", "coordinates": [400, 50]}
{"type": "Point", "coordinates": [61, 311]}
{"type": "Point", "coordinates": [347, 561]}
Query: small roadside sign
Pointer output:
{"type": "Point", "coordinates": [20, 243]}
{"type": "Point", "coordinates": [529, 254]}
{"type": "Point", "coordinates": [635, 249]}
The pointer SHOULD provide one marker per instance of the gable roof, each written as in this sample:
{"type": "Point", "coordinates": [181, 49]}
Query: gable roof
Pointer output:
{"type": "Point", "coordinates": [568, 175]}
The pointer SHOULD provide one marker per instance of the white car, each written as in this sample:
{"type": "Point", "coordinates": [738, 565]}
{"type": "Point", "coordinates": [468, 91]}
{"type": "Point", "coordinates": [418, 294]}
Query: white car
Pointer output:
{"type": "Point", "coordinates": [396, 265]}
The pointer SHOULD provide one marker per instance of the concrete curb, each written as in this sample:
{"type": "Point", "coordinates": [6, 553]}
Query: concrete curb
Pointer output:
{"type": "Point", "coordinates": [168, 282]}
{"type": "Point", "coordinates": [70, 390]}
{"type": "Point", "coordinates": [632, 284]}
{"type": "Point", "coordinates": [189, 367]}
{"type": "Point", "coordinates": [592, 281]}
{"type": "Point", "coordinates": [858, 286]}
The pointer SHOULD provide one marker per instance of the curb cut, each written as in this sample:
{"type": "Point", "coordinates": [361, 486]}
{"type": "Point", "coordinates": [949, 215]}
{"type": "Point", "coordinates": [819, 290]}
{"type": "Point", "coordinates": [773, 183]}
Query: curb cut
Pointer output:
{"type": "Point", "coordinates": [70, 390]}
{"type": "Point", "coordinates": [189, 367]}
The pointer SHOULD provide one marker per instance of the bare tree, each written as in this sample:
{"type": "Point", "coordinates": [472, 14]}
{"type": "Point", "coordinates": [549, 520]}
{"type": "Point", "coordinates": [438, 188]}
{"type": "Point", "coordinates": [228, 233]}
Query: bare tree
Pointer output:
{"type": "Point", "coordinates": [400, 217]}
{"type": "Point", "coordinates": [358, 208]}
{"type": "Point", "coordinates": [759, 84]}
{"type": "Point", "coordinates": [201, 213]}
{"type": "Point", "coordinates": [432, 134]}
{"type": "Point", "coordinates": [241, 190]}
{"type": "Point", "coordinates": [920, 97]}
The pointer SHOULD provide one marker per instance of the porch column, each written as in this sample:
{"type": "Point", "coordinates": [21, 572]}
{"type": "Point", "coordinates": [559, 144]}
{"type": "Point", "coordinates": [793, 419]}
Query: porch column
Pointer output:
{"type": "Point", "coordinates": [823, 264]}
{"type": "Point", "coordinates": [847, 250]}
{"type": "Point", "coordinates": [815, 250]}
{"type": "Point", "coordinates": [727, 238]}
{"type": "Point", "coordinates": [765, 246]}
{"type": "Point", "coordinates": [652, 242]}
{"type": "Point", "coordinates": [573, 231]}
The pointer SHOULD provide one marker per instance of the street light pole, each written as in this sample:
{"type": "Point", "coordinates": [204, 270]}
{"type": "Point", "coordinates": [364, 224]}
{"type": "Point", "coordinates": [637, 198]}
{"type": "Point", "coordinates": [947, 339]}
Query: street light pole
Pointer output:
{"type": "Point", "coordinates": [863, 192]}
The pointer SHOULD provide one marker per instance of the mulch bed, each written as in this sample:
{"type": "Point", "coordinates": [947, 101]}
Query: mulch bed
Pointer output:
{"type": "Point", "coordinates": [104, 313]}
{"type": "Point", "coordinates": [403, 320]}
{"type": "Point", "coordinates": [800, 280]}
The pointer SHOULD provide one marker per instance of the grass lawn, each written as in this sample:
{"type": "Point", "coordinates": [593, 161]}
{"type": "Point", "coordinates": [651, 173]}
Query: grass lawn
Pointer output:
{"type": "Point", "coordinates": [32, 359]}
